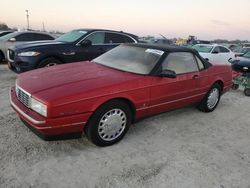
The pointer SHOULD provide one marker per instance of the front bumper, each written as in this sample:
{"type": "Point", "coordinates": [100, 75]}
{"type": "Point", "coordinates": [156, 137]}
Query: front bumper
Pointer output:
{"type": "Point", "coordinates": [22, 64]}
{"type": "Point", "coordinates": [48, 128]}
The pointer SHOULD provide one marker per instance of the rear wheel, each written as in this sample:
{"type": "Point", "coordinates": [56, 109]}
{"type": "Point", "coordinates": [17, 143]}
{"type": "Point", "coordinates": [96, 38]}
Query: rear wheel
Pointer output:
{"type": "Point", "coordinates": [247, 92]}
{"type": "Point", "coordinates": [109, 123]}
{"type": "Point", "coordinates": [49, 62]}
{"type": "Point", "coordinates": [211, 100]}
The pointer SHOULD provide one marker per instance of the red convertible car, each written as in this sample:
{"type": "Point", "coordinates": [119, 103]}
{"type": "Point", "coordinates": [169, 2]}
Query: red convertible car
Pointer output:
{"type": "Point", "coordinates": [103, 97]}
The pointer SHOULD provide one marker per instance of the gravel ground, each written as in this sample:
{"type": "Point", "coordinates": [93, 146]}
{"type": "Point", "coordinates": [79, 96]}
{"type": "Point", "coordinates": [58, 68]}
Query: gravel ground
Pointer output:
{"type": "Point", "coordinates": [181, 148]}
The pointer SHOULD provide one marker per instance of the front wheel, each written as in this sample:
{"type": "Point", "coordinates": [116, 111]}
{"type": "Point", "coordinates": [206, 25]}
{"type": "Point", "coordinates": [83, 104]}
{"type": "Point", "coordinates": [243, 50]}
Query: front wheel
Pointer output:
{"type": "Point", "coordinates": [109, 124]}
{"type": "Point", "coordinates": [247, 92]}
{"type": "Point", "coordinates": [211, 100]}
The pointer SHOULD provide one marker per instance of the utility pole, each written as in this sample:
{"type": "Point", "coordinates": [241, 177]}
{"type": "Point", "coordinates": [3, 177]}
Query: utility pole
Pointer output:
{"type": "Point", "coordinates": [43, 27]}
{"type": "Point", "coordinates": [28, 22]}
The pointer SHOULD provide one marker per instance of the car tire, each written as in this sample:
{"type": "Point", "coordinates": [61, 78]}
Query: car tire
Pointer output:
{"type": "Point", "coordinates": [247, 92]}
{"type": "Point", "coordinates": [211, 100]}
{"type": "Point", "coordinates": [109, 123]}
{"type": "Point", "coordinates": [49, 62]}
{"type": "Point", "coordinates": [1, 57]}
{"type": "Point", "coordinates": [235, 86]}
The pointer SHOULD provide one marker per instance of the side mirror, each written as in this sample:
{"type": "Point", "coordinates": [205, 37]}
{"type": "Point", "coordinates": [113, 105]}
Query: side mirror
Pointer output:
{"type": "Point", "coordinates": [230, 60]}
{"type": "Point", "coordinates": [215, 52]}
{"type": "Point", "coordinates": [86, 43]}
{"type": "Point", "coordinates": [12, 40]}
{"type": "Point", "coordinates": [168, 73]}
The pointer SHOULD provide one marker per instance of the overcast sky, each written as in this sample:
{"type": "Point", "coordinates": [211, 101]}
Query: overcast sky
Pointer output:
{"type": "Point", "coordinates": [207, 19]}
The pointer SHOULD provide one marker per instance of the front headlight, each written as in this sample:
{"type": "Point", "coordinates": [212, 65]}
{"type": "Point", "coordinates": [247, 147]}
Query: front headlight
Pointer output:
{"type": "Point", "coordinates": [28, 54]}
{"type": "Point", "coordinates": [38, 107]}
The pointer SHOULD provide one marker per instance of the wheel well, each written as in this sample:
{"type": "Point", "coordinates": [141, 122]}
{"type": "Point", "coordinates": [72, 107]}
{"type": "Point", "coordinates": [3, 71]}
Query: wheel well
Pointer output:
{"type": "Point", "coordinates": [128, 102]}
{"type": "Point", "coordinates": [52, 56]}
{"type": "Point", "coordinates": [220, 83]}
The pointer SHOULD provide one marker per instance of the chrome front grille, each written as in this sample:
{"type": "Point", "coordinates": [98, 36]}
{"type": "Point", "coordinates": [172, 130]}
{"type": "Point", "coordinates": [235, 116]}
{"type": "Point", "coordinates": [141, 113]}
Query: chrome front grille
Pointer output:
{"type": "Point", "coordinates": [23, 96]}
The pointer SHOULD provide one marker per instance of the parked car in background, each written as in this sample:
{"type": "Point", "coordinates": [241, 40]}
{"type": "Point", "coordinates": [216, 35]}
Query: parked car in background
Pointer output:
{"type": "Point", "coordinates": [214, 53]}
{"type": "Point", "coordinates": [194, 42]}
{"type": "Point", "coordinates": [242, 51]}
{"type": "Point", "coordinates": [104, 96]}
{"type": "Point", "coordinates": [20, 38]}
{"type": "Point", "coordinates": [74, 46]}
{"type": "Point", "coordinates": [2, 33]}
{"type": "Point", "coordinates": [245, 56]}
{"type": "Point", "coordinates": [232, 47]}
{"type": "Point", "coordinates": [160, 41]}
{"type": "Point", "coordinates": [245, 45]}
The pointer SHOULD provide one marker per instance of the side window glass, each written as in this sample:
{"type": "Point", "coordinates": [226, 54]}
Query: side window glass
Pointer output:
{"type": "Point", "coordinates": [216, 50]}
{"type": "Point", "coordinates": [114, 38]}
{"type": "Point", "coordinates": [96, 38]}
{"type": "Point", "coordinates": [128, 39]}
{"type": "Point", "coordinates": [180, 62]}
{"type": "Point", "coordinates": [223, 50]}
{"type": "Point", "coordinates": [24, 37]}
{"type": "Point", "coordinates": [41, 37]}
{"type": "Point", "coordinates": [200, 64]}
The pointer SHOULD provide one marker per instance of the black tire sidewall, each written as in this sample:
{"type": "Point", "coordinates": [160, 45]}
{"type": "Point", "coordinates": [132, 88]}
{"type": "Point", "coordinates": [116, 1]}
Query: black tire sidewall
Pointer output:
{"type": "Point", "coordinates": [1, 57]}
{"type": "Point", "coordinates": [203, 105]}
{"type": "Point", "coordinates": [247, 92]}
{"type": "Point", "coordinates": [91, 128]}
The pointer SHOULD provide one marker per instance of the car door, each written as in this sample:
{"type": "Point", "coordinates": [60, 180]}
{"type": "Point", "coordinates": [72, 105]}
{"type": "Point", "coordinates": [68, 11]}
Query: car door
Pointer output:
{"type": "Point", "coordinates": [215, 56]}
{"type": "Point", "coordinates": [89, 52]}
{"type": "Point", "coordinates": [226, 54]}
{"type": "Point", "coordinates": [170, 93]}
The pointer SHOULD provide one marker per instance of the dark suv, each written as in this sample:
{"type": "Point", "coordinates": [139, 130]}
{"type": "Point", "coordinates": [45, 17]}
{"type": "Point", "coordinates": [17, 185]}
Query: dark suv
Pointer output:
{"type": "Point", "coordinates": [74, 46]}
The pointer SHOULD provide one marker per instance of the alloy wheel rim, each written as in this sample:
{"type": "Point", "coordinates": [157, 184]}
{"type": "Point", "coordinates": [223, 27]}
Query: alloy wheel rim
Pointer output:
{"type": "Point", "coordinates": [112, 124]}
{"type": "Point", "coordinates": [51, 64]}
{"type": "Point", "coordinates": [213, 98]}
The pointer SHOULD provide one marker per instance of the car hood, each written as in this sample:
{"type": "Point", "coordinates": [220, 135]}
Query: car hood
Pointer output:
{"type": "Point", "coordinates": [36, 44]}
{"type": "Point", "coordinates": [83, 78]}
{"type": "Point", "coordinates": [241, 58]}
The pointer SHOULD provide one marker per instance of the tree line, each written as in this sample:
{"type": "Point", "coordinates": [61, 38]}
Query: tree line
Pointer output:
{"type": "Point", "coordinates": [4, 26]}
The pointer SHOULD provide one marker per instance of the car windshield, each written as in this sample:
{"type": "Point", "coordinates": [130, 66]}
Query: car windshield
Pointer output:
{"type": "Point", "coordinates": [8, 36]}
{"type": "Point", "coordinates": [247, 55]}
{"type": "Point", "coordinates": [138, 60]}
{"type": "Point", "coordinates": [203, 48]}
{"type": "Point", "coordinates": [71, 36]}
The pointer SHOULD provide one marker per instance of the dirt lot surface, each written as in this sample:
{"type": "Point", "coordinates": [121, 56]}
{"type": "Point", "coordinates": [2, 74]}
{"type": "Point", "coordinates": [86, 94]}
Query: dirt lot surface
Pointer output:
{"type": "Point", "coordinates": [182, 148]}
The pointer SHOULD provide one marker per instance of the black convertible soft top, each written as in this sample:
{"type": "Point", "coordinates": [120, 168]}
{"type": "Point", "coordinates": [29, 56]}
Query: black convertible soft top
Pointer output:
{"type": "Point", "coordinates": [169, 48]}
